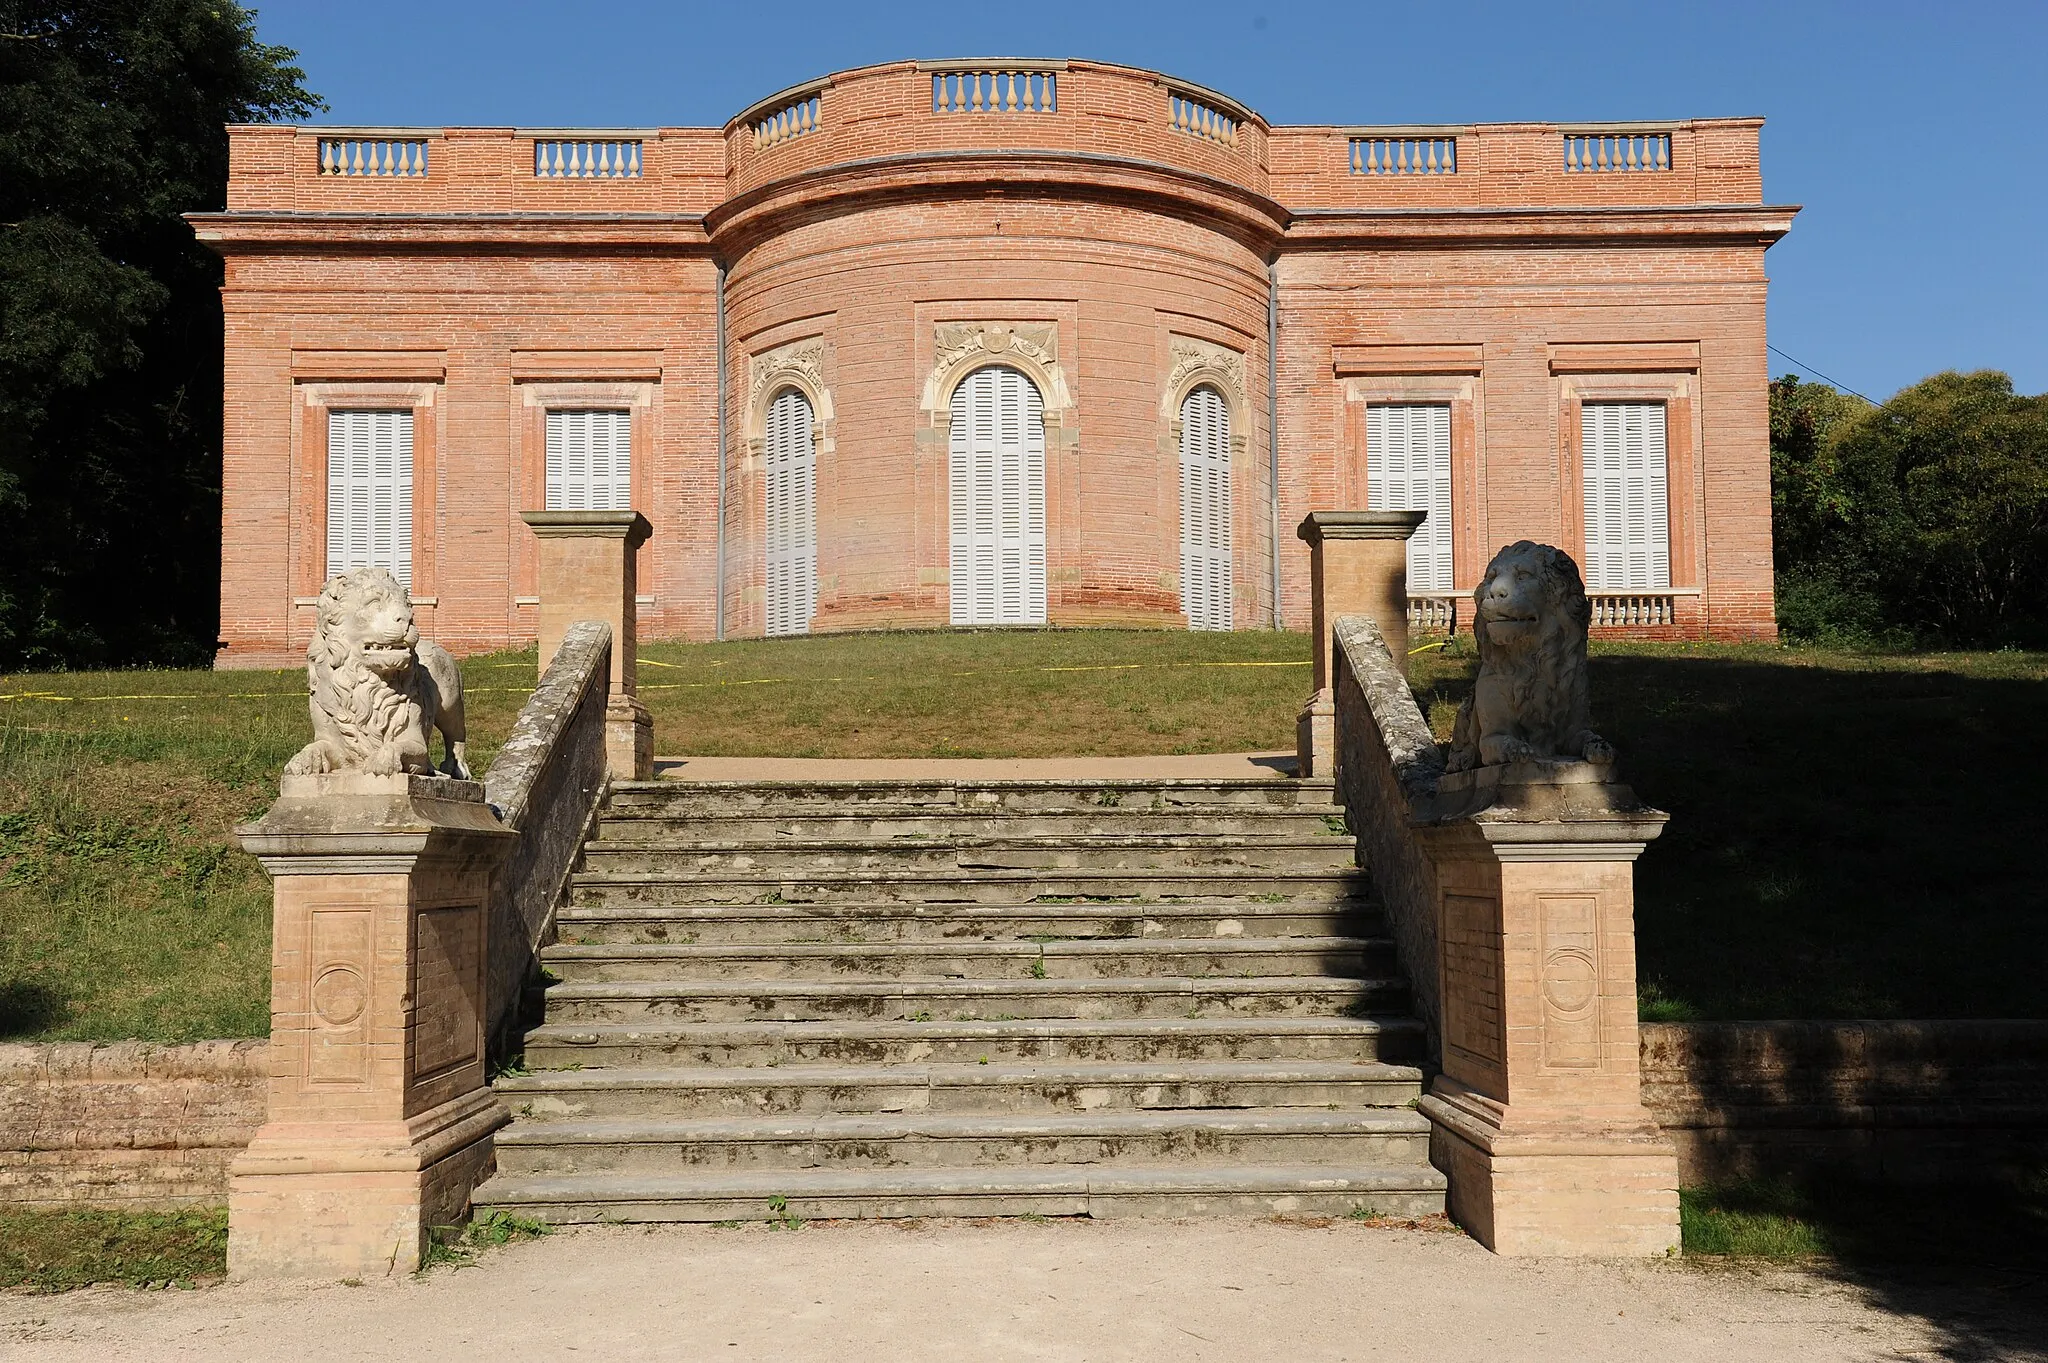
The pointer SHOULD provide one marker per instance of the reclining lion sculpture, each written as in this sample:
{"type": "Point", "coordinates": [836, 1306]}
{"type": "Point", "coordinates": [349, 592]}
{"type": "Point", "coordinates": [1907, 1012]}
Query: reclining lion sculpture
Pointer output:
{"type": "Point", "coordinates": [1529, 619]}
{"type": "Point", "coordinates": [377, 691]}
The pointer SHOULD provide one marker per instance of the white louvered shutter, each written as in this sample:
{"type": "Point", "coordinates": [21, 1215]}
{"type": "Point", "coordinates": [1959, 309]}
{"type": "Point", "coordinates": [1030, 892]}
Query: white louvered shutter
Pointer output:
{"type": "Point", "coordinates": [590, 461]}
{"type": "Point", "coordinates": [1628, 509]}
{"type": "Point", "coordinates": [997, 475]}
{"type": "Point", "coordinates": [792, 492]}
{"type": "Point", "coordinates": [369, 492]}
{"type": "Point", "coordinates": [1205, 510]}
{"type": "Point", "coordinates": [1408, 468]}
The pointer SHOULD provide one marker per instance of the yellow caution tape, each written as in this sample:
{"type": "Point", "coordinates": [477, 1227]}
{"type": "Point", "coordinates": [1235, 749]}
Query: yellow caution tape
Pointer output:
{"type": "Point", "coordinates": [652, 686]}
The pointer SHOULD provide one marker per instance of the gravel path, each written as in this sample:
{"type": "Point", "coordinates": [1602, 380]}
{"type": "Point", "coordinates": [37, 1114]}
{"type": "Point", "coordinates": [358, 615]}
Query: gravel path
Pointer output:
{"type": "Point", "coordinates": [1184, 1291]}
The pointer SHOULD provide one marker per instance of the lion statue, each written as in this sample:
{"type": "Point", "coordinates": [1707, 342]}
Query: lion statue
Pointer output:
{"type": "Point", "coordinates": [377, 690]}
{"type": "Point", "coordinates": [1530, 701]}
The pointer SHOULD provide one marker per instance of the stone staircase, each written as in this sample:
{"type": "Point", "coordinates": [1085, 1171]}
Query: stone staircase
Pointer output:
{"type": "Point", "coordinates": [919, 998]}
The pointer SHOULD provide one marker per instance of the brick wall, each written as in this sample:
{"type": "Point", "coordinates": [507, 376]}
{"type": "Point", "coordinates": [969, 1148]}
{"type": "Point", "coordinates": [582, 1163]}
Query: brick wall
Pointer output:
{"type": "Point", "coordinates": [479, 294]}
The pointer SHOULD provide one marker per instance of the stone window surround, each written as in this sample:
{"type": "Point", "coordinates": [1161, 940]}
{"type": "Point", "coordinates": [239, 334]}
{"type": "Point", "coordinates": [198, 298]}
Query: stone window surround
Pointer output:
{"type": "Point", "coordinates": [799, 365]}
{"type": "Point", "coordinates": [1681, 439]}
{"type": "Point", "coordinates": [1030, 348]}
{"type": "Point", "coordinates": [315, 398]}
{"type": "Point", "coordinates": [1463, 393]}
{"type": "Point", "coordinates": [538, 397]}
{"type": "Point", "coordinates": [1196, 362]}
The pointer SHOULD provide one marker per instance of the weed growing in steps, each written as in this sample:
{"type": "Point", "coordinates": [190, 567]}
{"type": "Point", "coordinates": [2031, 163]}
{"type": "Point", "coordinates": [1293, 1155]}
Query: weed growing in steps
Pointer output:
{"type": "Point", "coordinates": [58, 1250]}
{"type": "Point", "coordinates": [458, 1246]}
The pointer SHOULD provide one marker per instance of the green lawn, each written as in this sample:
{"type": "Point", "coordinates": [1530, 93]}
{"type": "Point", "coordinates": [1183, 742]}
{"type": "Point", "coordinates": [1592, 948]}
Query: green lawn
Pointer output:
{"type": "Point", "coordinates": [1842, 841]}
{"type": "Point", "coordinates": [1000, 693]}
{"type": "Point", "coordinates": [55, 1251]}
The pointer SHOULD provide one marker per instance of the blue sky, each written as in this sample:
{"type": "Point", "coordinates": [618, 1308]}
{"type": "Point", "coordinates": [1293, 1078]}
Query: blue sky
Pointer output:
{"type": "Point", "coordinates": [1916, 136]}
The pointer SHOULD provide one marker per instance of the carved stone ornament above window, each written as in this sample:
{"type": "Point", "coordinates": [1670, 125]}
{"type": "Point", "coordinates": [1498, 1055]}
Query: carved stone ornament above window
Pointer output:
{"type": "Point", "coordinates": [1194, 360]}
{"type": "Point", "coordinates": [803, 361]}
{"type": "Point", "coordinates": [1032, 347]}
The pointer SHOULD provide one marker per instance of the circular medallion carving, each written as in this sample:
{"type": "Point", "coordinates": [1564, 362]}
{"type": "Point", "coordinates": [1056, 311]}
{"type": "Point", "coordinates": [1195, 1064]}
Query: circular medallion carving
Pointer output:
{"type": "Point", "coordinates": [1570, 982]}
{"type": "Point", "coordinates": [339, 995]}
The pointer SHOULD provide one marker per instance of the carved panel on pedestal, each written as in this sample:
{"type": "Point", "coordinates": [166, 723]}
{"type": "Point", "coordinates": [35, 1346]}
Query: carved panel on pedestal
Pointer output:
{"type": "Point", "coordinates": [1571, 982]}
{"type": "Point", "coordinates": [1471, 955]}
{"type": "Point", "coordinates": [447, 1013]}
{"type": "Point", "coordinates": [337, 985]}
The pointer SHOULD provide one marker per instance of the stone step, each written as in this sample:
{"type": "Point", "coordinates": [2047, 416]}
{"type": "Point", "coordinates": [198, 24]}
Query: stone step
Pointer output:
{"type": "Point", "coordinates": [1011, 1190]}
{"type": "Point", "coordinates": [558, 1045]}
{"type": "Point", "coordinates": [1101, 960]}
{"type": "Point", "coordinates": [964, 1000]}
{"type": "Point", "coordinates": [1107, 852]}
{"type": "Point", "coordinates": [715, 798]}
{"type": "Point", "coordinates": [1371, 1136]}
{"type": "Point", "coordinates": [1042, 1087]}
{"type": "Point", "coordinates": [836, 922]}
{"type": "Point", "coordinates": [629, 828]}
{"type": "Point", "coordinates": [961, 886]}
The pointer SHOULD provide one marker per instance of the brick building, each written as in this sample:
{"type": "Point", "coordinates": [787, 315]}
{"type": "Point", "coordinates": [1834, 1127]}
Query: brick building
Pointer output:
{"type": "Point", "coordinates": [992, 342]}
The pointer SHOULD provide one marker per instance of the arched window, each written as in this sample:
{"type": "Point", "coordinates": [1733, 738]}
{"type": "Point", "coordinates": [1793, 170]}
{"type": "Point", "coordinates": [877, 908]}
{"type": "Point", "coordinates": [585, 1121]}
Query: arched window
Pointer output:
{"type": "Point", "coordinates": [1205, 510]}
{"type": "Point", "coordinates": [997, 480]}
{"type": "Point", "coordinates": [790, 454]}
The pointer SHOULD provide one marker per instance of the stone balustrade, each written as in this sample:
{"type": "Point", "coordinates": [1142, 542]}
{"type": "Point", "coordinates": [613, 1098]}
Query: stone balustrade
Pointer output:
{"type": "Point", "coordinates": [1202, 113]}
{"type": "Point", "coordinates": [1393, 152]}
{"type": "Point", "coordinates": [1615, 151]}
{"type": "Point", "coordinates": [586, 158]}
{"type": "Point", "coordinates": [931, 108]}
{"type": "Point", "coordinates": [789, 114]}
{"type": "Point", "coordinates": [366, 155]}
{"type": "Point", "coordinates": [1009, 88]}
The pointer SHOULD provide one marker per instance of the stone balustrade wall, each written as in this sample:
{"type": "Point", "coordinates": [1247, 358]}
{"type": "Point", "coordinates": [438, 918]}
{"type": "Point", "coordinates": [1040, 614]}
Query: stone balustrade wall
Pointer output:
{"type": "Point", "coordinates": [1386, 760]}
{"type": "Point", "coordinates": [546, 782]}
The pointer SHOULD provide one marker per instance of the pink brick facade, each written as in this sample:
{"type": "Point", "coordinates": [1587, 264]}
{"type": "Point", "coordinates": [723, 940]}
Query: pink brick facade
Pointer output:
{"type": "Point", "coordinates": [1114, 248]}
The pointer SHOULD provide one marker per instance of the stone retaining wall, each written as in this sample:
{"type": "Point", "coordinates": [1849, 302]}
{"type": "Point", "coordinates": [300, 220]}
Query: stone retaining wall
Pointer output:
{"type": "Point", "coordinates": [1895, 1101]}
{"type": "Point", "coordinates": [137, 1125]}
{"type": "Point", "coordinates": [126, 1123]}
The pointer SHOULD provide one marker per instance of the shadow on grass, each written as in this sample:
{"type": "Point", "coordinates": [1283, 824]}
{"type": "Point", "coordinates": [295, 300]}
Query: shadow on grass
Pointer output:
{"type": "Point", "coordinates": [1847, 833]}
{"type": "Point", "coordinates": [28, 1009]}
{"type": "Point", "coordinates": [1970, 1260]}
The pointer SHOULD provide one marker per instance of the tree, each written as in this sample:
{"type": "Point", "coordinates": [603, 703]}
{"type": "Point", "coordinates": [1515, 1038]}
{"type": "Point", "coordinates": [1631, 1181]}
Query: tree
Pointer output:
{"type": "Point", "coordinates": [1926, 517]}
{"type": "Point", "coordinates": [112, 117]}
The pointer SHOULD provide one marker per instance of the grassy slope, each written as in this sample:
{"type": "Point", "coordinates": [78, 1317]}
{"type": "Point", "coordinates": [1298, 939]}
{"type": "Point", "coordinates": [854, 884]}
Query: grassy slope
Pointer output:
{"type": "Point", "coordinates": [1842, 842]}
{"type": "Point", "coordinates": [995, 694]}
{"type": "Point", "coordinates": [126, 910]}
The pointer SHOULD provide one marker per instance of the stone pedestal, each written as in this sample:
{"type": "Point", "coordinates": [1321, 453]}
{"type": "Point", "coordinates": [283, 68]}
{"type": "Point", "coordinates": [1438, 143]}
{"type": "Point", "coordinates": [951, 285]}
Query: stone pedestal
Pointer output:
{"type": "Point", "coordinates": [379, 1119]}
{"type": "Point", "coordinates": [1358, 565]}
{"type": "Point", "coordinates": [587, 573]}
{"type": "Point", "coordinates": [1537, 1119]}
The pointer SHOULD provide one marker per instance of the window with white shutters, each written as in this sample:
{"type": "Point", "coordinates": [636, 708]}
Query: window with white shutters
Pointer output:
{"type": "Point", "coordinates": [1408, 468]}
{"type": "Point", "coordinates": [369, 492]}
{"type": "Point", "coordinates": [1205, 510]}
{"type": "Point", "coordinates": [792, 490]}
{"type": "Point", "coordinates": [590, 460]}
{"type": "Point", "coordinates": [1628, 513]}
{"type": "Point", "coordinates": [997, 476]}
